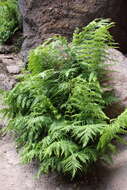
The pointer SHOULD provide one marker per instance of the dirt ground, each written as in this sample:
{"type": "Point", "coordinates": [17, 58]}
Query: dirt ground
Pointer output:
{"type": "Point", "coordinates": [15, 176]}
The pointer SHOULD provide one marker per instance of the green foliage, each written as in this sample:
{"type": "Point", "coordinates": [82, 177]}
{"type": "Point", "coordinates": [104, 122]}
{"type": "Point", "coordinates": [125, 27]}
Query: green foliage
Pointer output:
{"type": "Point", "coordinates": [56, 109]}
{"type": "Point", "coordinates": [9, 19]}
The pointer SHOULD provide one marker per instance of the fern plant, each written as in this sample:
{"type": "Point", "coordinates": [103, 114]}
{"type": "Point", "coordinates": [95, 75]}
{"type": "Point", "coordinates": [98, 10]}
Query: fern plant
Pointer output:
{"type": "Point", "coordinates": [9, 19]}
{"type": "Point", "coordinates": [57, 108]}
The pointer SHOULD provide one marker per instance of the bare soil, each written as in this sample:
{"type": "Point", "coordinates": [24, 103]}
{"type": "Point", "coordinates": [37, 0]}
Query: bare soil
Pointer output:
{"type": "Point", "coordinates": [15, 176]}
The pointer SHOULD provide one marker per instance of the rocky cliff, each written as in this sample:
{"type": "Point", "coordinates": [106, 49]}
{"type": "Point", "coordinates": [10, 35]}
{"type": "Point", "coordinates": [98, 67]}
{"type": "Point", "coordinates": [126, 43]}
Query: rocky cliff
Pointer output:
{"type": "Point", "coordinates": [44, 18]}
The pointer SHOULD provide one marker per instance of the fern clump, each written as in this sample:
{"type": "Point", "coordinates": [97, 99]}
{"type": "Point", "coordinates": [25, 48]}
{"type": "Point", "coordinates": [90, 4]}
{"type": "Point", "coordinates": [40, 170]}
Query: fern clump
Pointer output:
{"type": "Point", "coordinates": [57, 109]}
{"type": "Point", "coordinates": [9, 19]}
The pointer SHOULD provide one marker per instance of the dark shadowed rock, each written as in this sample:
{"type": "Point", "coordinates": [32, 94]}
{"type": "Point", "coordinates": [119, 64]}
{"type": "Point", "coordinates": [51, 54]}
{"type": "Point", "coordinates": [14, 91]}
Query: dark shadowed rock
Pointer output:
{"type": "Point", "coordinates": [44, 18]}
{"type": "Point", "coordinates": [5, 49]}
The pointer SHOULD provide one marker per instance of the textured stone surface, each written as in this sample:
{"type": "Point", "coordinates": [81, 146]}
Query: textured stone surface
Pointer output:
{"type": "Point", "coordinates": [6, 49]}
{"type": "Point", "coordinates": [118, 81]}
{"type": "Point", "coordinates": [10, 65]}
{"type": "Point", "coordinates": [44, 18]}
{"type": "Point", "coordinates": [13, 69]}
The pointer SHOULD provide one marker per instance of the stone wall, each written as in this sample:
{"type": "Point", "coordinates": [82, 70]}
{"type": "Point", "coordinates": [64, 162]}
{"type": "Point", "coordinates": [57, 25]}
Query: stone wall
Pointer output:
{"type": "Point", "coordinates": [44, 18]}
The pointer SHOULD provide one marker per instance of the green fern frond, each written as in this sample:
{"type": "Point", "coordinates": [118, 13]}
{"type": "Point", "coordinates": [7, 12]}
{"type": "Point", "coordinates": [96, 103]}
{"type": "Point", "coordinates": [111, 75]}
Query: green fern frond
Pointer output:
{"type": "Point", "coordinates": [73, 164]}
{"type": "Point", "coordinates": [60, 148]}
{"type": "Point", "coordinates": [9, 19]}
{"type": "Point", "coordinates": [57, 108]}
{"type": "Point", "coordinates": [88, 133]}
{"type": "Point", "coordinates": [112, 131]}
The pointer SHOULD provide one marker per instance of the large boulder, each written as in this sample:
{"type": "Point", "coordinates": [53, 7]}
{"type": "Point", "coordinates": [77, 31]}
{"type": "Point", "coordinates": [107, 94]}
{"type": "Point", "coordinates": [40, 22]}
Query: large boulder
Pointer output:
{"type": "Point", "coordinates": [44, 18]}
{"type": "Point", "coordinates": [117, 80]}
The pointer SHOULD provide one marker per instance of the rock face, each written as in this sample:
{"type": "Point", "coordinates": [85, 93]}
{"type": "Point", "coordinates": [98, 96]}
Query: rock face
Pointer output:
{"type": "Point", "coordinates": [44, 18]}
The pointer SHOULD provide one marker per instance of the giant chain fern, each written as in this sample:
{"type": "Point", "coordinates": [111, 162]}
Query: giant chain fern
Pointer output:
{"type": "Point", "coordinates": [56, 109]}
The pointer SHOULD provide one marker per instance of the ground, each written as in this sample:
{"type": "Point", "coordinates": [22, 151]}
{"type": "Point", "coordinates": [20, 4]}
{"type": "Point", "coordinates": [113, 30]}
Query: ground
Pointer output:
{"type": "Point", "coordinates": [15, 176]}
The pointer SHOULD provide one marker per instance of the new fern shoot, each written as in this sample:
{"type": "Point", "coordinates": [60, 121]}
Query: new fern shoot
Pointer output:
{"type": "Point", "coordinates": [57, 109]}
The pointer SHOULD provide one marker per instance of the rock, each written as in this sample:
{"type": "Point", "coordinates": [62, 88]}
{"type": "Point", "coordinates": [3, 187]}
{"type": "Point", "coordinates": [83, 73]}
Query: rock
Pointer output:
{"type": "Point", "coordinates": [3, 122]}
{"type": "Point", "coordinates": [10, 66]}
{"type": "Point", "coordinates": [57, 188]}
{"type": "Point", "coordinates": [13, 69]}
{"type": "Point", "coordinates": [118, 81]}
{"type": "Point", "coordinates": [5, 49]}
{"type": "Point", "coordinates": [44, 18]}
{"type": "Point", "coordinates": [6, 82]}
{"type": "Point", "coordinates": [8, 61]}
